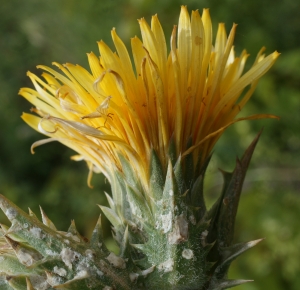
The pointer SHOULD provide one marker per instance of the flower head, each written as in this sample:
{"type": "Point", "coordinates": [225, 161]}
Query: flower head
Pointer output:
{"type": "Point", "coordinates": [185, 98]}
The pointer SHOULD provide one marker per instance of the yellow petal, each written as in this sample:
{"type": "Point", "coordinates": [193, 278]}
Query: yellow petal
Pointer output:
{"type": "Point", "coordinates": [95, 66]}
{"type": "Point", "coordinates": [184, 46]}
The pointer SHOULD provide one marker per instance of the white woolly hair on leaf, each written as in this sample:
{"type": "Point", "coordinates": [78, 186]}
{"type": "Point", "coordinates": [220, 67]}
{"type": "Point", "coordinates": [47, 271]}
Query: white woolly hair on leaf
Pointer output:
{"type": "Point", "coordinates": [166, 266]}
{"type": "Point", "coordinates": [11, 213]}
{"type": "Point", "coordinates": [116, 261]}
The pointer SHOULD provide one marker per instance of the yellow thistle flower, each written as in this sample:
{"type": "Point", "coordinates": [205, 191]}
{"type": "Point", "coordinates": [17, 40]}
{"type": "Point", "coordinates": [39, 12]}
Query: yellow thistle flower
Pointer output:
{"type": "Point", "coordinates": [189, 95]}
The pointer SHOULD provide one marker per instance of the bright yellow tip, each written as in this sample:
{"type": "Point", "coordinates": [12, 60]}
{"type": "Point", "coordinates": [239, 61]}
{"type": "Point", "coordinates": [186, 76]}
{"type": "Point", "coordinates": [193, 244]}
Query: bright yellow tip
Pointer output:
{"type": "Point", "coordinates": [124, 108]}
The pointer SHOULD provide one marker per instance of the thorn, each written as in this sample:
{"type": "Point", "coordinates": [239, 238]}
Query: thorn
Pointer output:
{"type": "Point", "coordinates": [47, 221]}
{"type": "Point", "coordinates": [123, 246]}
{"type": "Point", "coordinates": [28, 284]}
{"type": "Point", "coordinates": [53, 279]}
{"type": "Point", "coordinates": [225, 284]}
{"type": "Point", "coordinates": [231, 252]}
{"type": "Point", "coordinates": [96, 241]}
{"type": "Point", "coordinates": [75, 234]}
{"type": "Point", "coordinates": [31, 213]}
{"type": "Point", "coordinates": [12, 243]}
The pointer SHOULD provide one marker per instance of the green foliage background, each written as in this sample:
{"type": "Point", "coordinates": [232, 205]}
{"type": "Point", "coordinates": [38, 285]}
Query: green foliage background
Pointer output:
{"type": "Point", "coordinates": [36, 32]}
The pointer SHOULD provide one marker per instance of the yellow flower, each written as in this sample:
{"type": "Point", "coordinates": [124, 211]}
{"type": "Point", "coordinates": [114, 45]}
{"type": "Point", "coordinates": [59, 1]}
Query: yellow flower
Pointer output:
{"type": "Point", "coordinates": [188, 96]}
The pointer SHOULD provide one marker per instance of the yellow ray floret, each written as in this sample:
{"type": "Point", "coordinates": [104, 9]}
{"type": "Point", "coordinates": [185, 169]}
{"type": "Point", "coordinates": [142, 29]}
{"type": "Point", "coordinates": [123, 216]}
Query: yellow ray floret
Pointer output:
{"type": "Point", "coordinates": [129, 109]}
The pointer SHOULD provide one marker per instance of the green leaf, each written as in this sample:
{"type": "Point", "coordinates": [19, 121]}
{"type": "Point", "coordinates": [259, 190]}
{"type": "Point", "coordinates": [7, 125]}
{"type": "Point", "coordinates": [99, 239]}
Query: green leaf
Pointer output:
{"type": "Point", "coordinates": [139, 206]}
{"type": "Point", "coordinates": [156, 176]}
{"type": "Point", "coordinates": [179, 176]}
{"type": "Point", "coordinates": [231, 196]}
{"type": "Point", "coordinates": [110, 201]}
{"type": "Point", "coordinates": [130, 174]}
{"type": "Point", "coordinates": [111, 215]}
{"type": "Point", "coordinates": [168, 198]}
{"type": "Point", "coordinates": [120, 197]}
{"type": "Point", "coordinates": [97, 240]}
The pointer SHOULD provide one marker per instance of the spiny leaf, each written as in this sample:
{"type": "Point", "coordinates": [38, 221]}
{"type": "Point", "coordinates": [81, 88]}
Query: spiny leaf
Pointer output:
{"type": "Point", "coordinates": [120, 197]}
{"type": "Point", "coordinates": [156, 176]}
{"type": "Point", "coordinates": [74, 233]}
{"type": "Point", "coordinates": [223, 212]}
{"type": "Point", "coordinates": [231, 197]}
{"type": "Point", "coordinates": [124, 251]}
{"type": "Point", "coordinates": [139, 206]}
{"type": "Point", "coordinates": [48, 251]}
{"type": "Point", "coordinates": [111, 215]}
{"type": "Point", "coordinates": [130, 175]}
{"type": "Point", "coordinates": [169, 191]}
{"type": "Point", "coordinates": [97, 240]}
{"type": "Point", "coordinates": [229, 205]}
{"type": "Point", "coordinates": [179, 176]}
{"type": "Point", "coordinates": [110, 201]}
{"type": "Point", "coordinates": [197, 198]}
{"type": "Point", "coordinates": [228, 254]}
{"type": "Point", "coordinates": [34, 232]}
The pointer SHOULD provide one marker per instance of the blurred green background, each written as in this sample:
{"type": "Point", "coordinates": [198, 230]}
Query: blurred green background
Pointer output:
{"type": "Point", "coordinates": [36, 32]}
